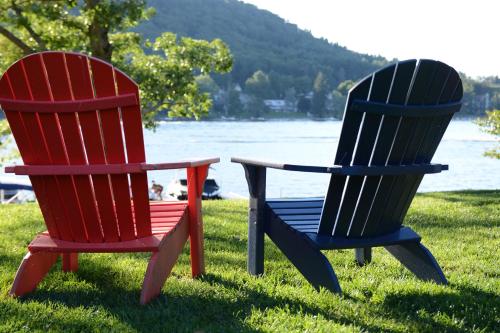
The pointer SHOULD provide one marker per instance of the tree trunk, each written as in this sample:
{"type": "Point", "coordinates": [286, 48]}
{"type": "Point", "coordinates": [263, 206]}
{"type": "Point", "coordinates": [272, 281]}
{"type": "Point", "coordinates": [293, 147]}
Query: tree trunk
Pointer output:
{"type": "Point", "coordinates": [98, 34]}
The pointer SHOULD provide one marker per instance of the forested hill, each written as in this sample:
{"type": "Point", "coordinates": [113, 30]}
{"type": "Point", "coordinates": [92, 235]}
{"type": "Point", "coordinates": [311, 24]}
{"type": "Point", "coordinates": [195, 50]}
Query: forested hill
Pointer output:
{"type": "Point", "coordinates": [275, 59]}
{"type": "Point", "coordinates": [260, 40]}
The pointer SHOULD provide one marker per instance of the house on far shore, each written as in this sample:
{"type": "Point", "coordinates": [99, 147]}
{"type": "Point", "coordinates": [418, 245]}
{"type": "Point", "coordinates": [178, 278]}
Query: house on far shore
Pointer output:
{"type": "Point", "coordinates": [280, 105]}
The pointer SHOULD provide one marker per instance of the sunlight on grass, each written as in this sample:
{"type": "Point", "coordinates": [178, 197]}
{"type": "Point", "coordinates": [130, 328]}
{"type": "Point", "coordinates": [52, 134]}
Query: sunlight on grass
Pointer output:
{"type": "Point", "coordinates": [461, 229]}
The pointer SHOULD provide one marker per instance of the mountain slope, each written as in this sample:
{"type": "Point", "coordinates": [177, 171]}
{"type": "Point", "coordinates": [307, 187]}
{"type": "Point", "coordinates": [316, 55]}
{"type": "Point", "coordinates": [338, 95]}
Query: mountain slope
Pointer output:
{"type": "Point", "coordinates": [260, 40]}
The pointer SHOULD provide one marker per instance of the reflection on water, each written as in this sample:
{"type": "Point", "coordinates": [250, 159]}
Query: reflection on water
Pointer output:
{"type": "Point", "coordinates": [307, 142]}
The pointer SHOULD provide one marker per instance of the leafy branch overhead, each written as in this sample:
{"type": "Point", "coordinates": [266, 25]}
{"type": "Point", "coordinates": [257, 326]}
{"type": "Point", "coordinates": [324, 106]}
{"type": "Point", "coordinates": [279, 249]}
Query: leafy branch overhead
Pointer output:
{"type": "Point", "coordinates": [164, 68]}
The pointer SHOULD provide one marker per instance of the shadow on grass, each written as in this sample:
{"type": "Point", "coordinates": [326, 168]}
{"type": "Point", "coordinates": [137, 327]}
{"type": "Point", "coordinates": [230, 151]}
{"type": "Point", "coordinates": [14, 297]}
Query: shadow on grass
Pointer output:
{"type": "Point", "coordinates": [183, 309]}
{"type": "Point", "coordinates": [457, 309]}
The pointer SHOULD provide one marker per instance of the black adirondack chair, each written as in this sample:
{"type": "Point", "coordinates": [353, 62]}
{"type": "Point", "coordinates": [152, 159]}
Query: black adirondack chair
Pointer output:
{"type": "Point", "coordinates": [393, 122]}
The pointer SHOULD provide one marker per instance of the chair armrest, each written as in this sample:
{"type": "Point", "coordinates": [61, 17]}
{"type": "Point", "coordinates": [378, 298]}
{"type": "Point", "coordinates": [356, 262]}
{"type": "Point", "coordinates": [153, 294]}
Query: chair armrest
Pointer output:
{"type": "Point", "coordinates": [190, 163]}
{"type": "Point", "coordinates": [102, 169]}
{"type": "Point", "coordinates": [354, 170]}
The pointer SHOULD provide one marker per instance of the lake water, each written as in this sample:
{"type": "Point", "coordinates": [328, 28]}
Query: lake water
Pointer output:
{"type": "Point", "coordinates": [307, 142]}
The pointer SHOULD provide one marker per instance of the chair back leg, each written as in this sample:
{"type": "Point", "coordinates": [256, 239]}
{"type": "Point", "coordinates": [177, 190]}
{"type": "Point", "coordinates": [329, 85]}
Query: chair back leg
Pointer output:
{"type": "Point", "coordinates": [363, 255]}
{"type": "Point", "coordinates": [419, 260]}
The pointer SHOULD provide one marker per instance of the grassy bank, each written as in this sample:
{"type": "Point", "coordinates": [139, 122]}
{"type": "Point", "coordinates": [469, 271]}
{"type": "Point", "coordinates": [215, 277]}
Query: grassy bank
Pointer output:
{"type": "Point", "coordinates": [460, 228]}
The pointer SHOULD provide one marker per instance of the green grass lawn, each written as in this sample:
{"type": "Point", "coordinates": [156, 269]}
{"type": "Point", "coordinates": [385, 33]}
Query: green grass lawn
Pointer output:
{"type": "Point", "coordinates": [460, 228]}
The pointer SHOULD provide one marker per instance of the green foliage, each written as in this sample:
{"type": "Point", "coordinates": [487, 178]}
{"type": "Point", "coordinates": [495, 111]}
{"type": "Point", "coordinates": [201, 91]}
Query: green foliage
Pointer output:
{"type": "Point", "coordinates": [165, 68]}
{"type": "Point", "coordinates": [258, 85]}
{"type": "Point", "coordinates": [345, 86]}
{"type": "Point", "coordinates": [491, 124]}
{"type": "Point", "coordinates": [320, 89]}
{"type": "Point", "coordinates": [460, 228]}
{"type": "Point", "coordinates": [262, 41]}
{"type": "Point", "coordinates": [206, 84]}
{"type": "Point", "coordinates": [234, 105]}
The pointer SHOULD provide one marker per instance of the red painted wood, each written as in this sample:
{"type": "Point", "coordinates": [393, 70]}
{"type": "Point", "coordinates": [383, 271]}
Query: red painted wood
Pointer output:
{"type": "Point", "coordinates": [20, 135]}
{"type": "Point", "coordinates": [40, 153]}
{"type": "Point", "coordinates": [95, 169]}
{"type": "Point", "coordinates": [134, 141]}
{"type": "Point", "coordinates": [81, 88]}
{"type": "Point", "coordinates": [66, 106]}
{"type": "Point", "coordinates": [161, 263]}
{"type": "Point", "coordinates": [78, 164]}
{"type": "Point", "coordinates": [196, 178]}
{"type": "Point", "coordinates": [32, 270]}
{"type": "Point", "coordinates": [50, 83]}
{"type": "Point", "coordinates": [94, 147]}
{"type": "Point", "coordinates": [70, 262]}
{"type": "Point", "coordinates": [104, 85]}
{"type": "Point", "coordinates": [45, 243]}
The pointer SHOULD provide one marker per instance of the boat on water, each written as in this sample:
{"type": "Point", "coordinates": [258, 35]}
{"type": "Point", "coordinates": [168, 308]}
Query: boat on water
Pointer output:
{"type": "Point", "coordinates": [178, 189]}
{"type": "Point", "coordinates": [15, 191]}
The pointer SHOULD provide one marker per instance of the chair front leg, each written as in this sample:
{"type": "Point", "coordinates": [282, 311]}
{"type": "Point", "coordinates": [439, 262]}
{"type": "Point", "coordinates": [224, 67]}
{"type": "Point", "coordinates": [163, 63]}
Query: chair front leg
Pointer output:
{"type": "Point", "coordinates": [256, 178]}
{"type": "Point", "coordinates": [196, 178]}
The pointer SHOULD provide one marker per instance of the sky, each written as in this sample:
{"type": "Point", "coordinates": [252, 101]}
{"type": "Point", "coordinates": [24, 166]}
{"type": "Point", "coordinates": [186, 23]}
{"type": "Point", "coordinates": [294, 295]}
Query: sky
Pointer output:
{"type": "Point", "coordinates": [465, 34]}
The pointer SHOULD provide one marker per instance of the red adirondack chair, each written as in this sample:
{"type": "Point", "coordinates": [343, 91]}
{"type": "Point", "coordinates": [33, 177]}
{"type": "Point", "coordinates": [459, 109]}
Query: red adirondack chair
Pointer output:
{"type": "Point", "coordinates": [77, 123]}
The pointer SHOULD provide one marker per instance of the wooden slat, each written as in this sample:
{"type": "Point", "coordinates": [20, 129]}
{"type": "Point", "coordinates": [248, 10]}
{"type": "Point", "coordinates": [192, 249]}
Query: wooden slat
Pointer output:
{"type": "Point", "coordinates": [300, 204]}
{"type": "Point", "coordinates": [146, 244]}
{"type": "Point", "coordinates": [134, 141]}
{"type": "Point", "coordinates": [383, 154]}
{"type": "Point", "coordinates": [427, 72]}
{"type": "Point", "coordinates": [49, 185]}
{"type": "Point", "coordinates": [22, 140]}
{"type": "Point", "coordinates": [350, 128]}
{"type": "Point", "coordinates": [389, 124]}
{"type": "Point", "coordinates": [65, 106]}
{"type": "Point", "coordinates": [50, 84]}
{"type": "Point", "coordinates": [104, 86]}
{"type": "Point", "coordinates": [81, 88]}
{"type": "Point", "coordinates": [300, 217]}
{"type": "Point", "coordinates": [450, 91]}
{"type": "Point", "coordinates": [418, 111]}
{"type": "Point", "coordinates": [379, 91]}
{"type": "Point", "coordinates": [93, 143]}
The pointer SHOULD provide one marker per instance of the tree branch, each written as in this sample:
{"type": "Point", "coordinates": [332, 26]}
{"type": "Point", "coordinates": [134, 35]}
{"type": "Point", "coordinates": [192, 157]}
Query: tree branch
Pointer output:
{"type": "Point", "coordinates": [24, 22]}
{"type": "Point", "coordinates": [18, 42]}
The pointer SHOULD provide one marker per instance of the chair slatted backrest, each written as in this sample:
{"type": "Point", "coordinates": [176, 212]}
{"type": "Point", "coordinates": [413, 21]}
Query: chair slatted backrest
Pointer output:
{"type": "Point", "coordinates": [357, 206]}
{"type": "Point", "coordinates": [84, 208]}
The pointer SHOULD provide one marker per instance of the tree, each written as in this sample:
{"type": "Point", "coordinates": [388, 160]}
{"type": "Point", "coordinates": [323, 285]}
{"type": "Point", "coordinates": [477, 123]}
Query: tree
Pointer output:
{"type": "Point", "coordinates": [165, 68]}
{"type": "Point", "coordinates": [206, 84]}
{"type": "Point", "coordinates": [345, 86]}
{"type": "Point", "coordinates": [234, 105]}
{"type": "Point", "coordinates": [491, 124]}
{"type": "Point", "coordinates": [304, 104]}
{"type": "Point", "coordinates": [320, 88]}
{"type": "Point", "coordinates": [258, 85]}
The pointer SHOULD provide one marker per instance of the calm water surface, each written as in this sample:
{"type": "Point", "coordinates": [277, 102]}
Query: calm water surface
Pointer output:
{"type": "Point", "coordinates": [307, 142]}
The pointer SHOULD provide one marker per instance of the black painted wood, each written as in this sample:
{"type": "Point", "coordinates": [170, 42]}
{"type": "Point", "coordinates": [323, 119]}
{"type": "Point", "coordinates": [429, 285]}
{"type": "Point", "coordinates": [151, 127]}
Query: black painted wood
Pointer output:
{"type": "Point", "coordinates": [345, 149]}
{"type": "Point", "coordinates": [363, 255]}
{"type": "Point", "coordinates": [417, 111]}
{"type": "Point", "coordinates": [403, 235]}
{"type": "Point", "coordinates": [393, 123]}
{"type": "Point", "coordinates": [308, 259]}
{"type": "Point", "coordinates": [419, 260]}
{"type": "Point", "coordinates": [355, 191]}
{"type": "Point", "coordinates": [351, 170]}
{"type": "Point", "coordinates": [256, 179]}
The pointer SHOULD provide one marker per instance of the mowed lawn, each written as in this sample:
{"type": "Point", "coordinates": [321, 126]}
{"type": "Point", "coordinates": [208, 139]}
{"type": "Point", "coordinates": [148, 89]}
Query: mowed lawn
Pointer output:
{"type": "Point", "coordinates": [462, 229]}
